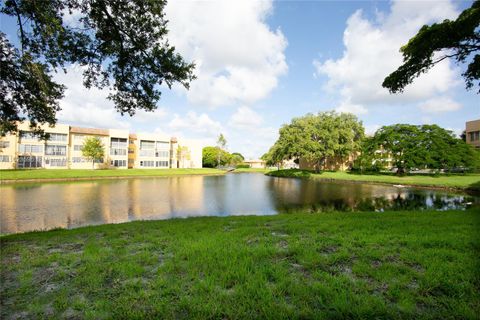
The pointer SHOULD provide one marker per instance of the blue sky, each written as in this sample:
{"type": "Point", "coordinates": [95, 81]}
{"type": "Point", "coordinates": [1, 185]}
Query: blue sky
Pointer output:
{"type": "Point", "coordinates": [261, 63]}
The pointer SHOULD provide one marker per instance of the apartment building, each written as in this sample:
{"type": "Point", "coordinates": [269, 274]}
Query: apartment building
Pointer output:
{"type": "Point", "coordinates": [472, 131]}
{"type": "Point", "coordinates": [122, 149]}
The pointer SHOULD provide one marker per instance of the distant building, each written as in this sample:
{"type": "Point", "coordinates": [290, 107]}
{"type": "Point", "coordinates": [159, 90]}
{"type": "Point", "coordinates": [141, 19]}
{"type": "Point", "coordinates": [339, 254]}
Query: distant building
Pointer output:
{"type": "Point", "coordinates": [123, 150]}
{"type": "Point", "coordinates": [256, 163]}
{"type": "Point", "coordinates": [472, 130]}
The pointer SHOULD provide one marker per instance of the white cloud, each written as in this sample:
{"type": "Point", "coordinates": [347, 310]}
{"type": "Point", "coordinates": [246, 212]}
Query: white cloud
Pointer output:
{"type": "Point", "coordinates": [238, 58]}
{"type": "Point", "coordinates": [199, 124]}
{"type": "Point", "coordinates": [372, 52]}
{"type": "Point", "coordinates": [348, 107]}
{"type": "Point", "coordinates": [439, 105]}
{"type": "Point", "coordinates": [86, 107]}
{"type": "Point", "coordinates": [245, 118]}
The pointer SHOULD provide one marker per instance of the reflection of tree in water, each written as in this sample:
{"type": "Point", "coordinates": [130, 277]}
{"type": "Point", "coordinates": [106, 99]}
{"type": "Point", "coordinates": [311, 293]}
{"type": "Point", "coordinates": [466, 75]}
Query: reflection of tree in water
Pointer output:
{"type": "Point", "coordinates": [401, 201]}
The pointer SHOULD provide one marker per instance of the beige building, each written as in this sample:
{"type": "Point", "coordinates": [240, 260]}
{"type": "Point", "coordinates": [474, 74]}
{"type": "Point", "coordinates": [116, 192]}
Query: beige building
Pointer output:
{"type": "Point", "coordinates": [122, 149]}
{"type": "Point", "coordinates": [472, 130]}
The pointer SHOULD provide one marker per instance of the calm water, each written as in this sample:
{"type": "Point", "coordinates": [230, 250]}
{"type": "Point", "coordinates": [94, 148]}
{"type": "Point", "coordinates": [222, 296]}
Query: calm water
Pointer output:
{"type": "Point", "coordinates": [29, 207]}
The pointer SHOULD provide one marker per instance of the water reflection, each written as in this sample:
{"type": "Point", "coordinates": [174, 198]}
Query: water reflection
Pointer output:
{"type": "Point", "coordinates": [68, 205]}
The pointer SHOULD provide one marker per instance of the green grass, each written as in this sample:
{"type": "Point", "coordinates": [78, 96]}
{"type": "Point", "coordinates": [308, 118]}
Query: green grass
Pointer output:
{"type": "Point", "coordinates": [88, 173]}
{"type": "Point", "coordinates": [393, 265]}
{"type": "Point", "coordinates": [466, 181]}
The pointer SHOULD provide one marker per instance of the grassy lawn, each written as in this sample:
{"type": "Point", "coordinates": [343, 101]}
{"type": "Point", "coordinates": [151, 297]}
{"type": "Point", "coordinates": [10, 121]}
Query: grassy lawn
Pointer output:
{"type": "Point", "coordinates": [87, 173]}
{"type": "Point", "coordinates": [467, 181]}
{"type": "Point", "coordinates": [325, 266]}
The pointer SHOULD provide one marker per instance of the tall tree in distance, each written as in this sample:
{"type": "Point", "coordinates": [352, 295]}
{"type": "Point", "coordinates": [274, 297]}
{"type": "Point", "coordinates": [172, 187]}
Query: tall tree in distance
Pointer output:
{"type": "Point", "coordinates": [121, 45]}
{"type": "Point", "coordinates": [221, 145]}
{"type": "Point", "coordinates": [458, 39]}
{"type": "Point", "coordinates": [93, 150]}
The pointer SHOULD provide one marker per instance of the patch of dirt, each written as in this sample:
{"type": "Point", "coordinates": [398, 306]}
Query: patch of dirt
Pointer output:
{"type": "Point", "coordinates": [376, 264]}
{"type": "Point", "coordinates": [328, 250]}
{"type": "Point", "coordinates": [300, 268]}
{"type": "Point", "coordinates": [20, 315]}
{"type": "Point", "coordinates": [282, 244]}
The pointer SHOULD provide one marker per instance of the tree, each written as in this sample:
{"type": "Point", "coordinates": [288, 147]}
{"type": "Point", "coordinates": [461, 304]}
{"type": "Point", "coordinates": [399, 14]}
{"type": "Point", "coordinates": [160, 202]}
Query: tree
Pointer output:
{"type": "Point", "coordinates": [239, 155]}
{"type": "Point", "coordinates": [93, 150]}
{"type": "Point", "coordinates": [425, 146]}
{"type": "Point", "coordinates": [121, 44]}
{"type": "Point", "coordinates": [214, 156]}
{"type": "Point", "coordinates": [459, 39]}
{"type": "Point", "coordinates": [221, 145]}
{"type": "Point", "coordinates": [317, 138]}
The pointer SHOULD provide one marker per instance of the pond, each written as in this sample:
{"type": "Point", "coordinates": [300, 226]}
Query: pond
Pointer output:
{"type": "Point", "coordinates": [27, 207]}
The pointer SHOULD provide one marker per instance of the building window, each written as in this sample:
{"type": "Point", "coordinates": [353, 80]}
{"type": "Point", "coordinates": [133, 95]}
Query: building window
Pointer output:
{"type": "Point", "coordinates": [29, 162]}
{"type": "Point", "coordinates": [4, 158]}
{"type": "Point", "coordinates": [78, 159]}
{"type": "Point", "coordinates": [56, 162]}
{"type": "Point", "coordinates": [4, 144]}
{"type": "Point", "coordinates": [474, 136]}
{"type": "Point", "coordinates": [77, 147]}
{"type": "Point", "coordinates": [144, 144]}
{"type": "Point", "coordinates": [27, 135]}
{"type": "Point", "coordinates": [30, 148]}
{"type": "Point", "coordinates": [118, 152]}
{"type": "Point", "coordinates": [118, 143]}
{"type": "Point", "coordinates": [119, 163]}
{"type": "Point", "coordinates": [162, 154]}
{"type": "Point", "coordinates": [162, 164]}
{"type": "Point", "coordinates": [78, 138]}
{"type": "Point", "coordinates": [53, 150]}
{"type": "Point", "coordinates": [147, 163]}
{"type": "Point", "coordinates": [58, 137]}
{"type": "Point", "coordinates": [147, 153]}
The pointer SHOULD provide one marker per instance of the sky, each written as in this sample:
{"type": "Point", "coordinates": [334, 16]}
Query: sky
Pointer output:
{"type": "Point", "coordinates": [261, 63]}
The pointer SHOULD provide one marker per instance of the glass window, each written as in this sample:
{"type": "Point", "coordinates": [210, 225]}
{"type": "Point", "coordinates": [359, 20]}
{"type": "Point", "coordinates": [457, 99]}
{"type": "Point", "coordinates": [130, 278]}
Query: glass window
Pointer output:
{"type": "Point", "coordinates": [53, 150]}
{"type": "Point", "coordinates": [59, 137]}
{"type": "Point", "coordinates": [144, 144]}
{"type": "Point", "coordinates": [29, 162]}
{"type": "Point", "coordinates": [118, 143]}
{"type": "Point", "coordinates": [56, 162]}
{"type": "Point", "coordinates": [27, 135]}
{"type": "Point", "coordinates": [29, 148]}
{"type": "Point", "coordinates": [77, 147]}
{"type": "Point", "coordinates": [118, 152]}
{"type": "Point", "coordinates": [78, 138]}
{"type": "Point", "coordinates": [4, 144]}
{"type": "Point", "coordinates": [119, 163]}
{"type": "Point", "coordinates": [162, 164]}
{"type": "Point", "coordinates": [147, 153]}
{"type": "Point", "coordinates": [4, 158]}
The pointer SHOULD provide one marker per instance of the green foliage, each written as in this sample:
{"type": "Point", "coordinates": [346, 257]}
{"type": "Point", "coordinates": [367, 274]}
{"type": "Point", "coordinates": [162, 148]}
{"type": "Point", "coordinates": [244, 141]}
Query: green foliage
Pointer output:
{"type": "Point", "coordinates": [458, 39]}
{"type": "Point", "coordinates": [221, 142]}
{"type": "Point", "coordinates": [290, 173]}
{"type": "Point", "coordinates": [316, 138]}
{"type": "Point", "coordinates": [235, 159]}
{"type": "Point", "coordinates": [214, 156]}
{"type": "Point", "coordinates": [239, 155]}
{"type": "Point", "coordinates": [93, 150]}
{"type": "Point", "coordinates": [121, 44]}
{"type": "Point", "coordinates": [242, 166]}
{"type": "Point", "coordinates": [410, 146]}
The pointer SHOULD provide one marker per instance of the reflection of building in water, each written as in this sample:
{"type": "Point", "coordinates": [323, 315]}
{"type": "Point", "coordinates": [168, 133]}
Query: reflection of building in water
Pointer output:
{"type": "Point", "coordinates": [186, 194]}
{"type": "Point", "coordinates": [8, 214]}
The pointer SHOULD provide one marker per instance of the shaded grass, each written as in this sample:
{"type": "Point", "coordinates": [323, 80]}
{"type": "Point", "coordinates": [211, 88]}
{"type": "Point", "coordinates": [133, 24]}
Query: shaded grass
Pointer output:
{"type": "Point", "coordinates": [336, 265]}
{"type": "Point", "coordinates": [464, 181]}
{"type": "Point", "coordinates": [25, 174]}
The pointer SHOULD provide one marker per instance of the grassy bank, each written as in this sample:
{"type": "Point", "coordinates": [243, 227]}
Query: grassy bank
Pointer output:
{"type": "Point", "coordinates": [467, 181]}
{"type": "Point", "coordinates": [88, 173]}
{"type": "Point", "coordinates": [338, 265]}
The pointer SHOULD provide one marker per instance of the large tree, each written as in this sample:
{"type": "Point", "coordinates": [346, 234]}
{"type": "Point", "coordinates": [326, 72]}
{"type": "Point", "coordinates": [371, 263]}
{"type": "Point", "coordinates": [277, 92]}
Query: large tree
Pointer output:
{"type": "Point", "coordinates": [458, 39]}
{"type": "Point", "coordinates": [423, 146]}
{"type": "Point", "coordinates": [121, 45]}
{"type": "Point", "coordinates": [317, 138]}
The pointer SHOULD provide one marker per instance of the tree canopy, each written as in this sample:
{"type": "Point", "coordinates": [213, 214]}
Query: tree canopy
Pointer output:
{"type": "Point", "coordinates": [407, 146]}
{"type": "Point", "coordinates": [316, 138]}
{"type": "Point", "coordinates": [120, 44]}
{"type": "Point", "coordinates": [214, 156]}
{"type": "Point", "coordinates": [93, 150]}
{"type": "Point", "coordinates": [458, 39]}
